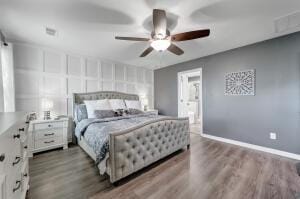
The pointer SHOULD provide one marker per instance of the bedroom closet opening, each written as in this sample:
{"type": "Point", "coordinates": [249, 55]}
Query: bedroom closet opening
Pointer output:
{"type": "Point", "coordinates": [190, 97]}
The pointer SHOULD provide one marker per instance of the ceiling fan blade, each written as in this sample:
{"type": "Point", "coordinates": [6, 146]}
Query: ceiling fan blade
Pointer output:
{"type": "Point", "coordinates": [146, 52]}
{"type": "Point", "coordinates": [160, 22]}
{"type": "Point", "coordinates": [190, 35]}
{"type": "Point", "coordinates": [132, 38]}
{"type": "Point", "coordinates": [175, 49]}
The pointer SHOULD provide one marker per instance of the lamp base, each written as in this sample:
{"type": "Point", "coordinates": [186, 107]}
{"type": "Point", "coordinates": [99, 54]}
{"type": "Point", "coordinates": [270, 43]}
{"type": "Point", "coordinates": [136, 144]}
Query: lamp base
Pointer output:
{"type": "Point", "coordinates": [47, 115]}
{"type": "Point", "coordinates": [145, 108]}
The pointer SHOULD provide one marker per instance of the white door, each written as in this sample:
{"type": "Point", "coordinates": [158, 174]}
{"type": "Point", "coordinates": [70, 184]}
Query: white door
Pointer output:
{"type": "Point", "coordinates": [184, 96]}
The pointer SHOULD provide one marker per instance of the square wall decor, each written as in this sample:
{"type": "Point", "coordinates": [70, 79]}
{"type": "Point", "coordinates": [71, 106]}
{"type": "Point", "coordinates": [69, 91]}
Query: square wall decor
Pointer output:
{"type": "Point", "coordinates": [240, 83]}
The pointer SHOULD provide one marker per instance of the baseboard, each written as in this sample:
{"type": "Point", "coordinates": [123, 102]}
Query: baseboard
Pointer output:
{"type": "Point", "coordinates": [253, 146]}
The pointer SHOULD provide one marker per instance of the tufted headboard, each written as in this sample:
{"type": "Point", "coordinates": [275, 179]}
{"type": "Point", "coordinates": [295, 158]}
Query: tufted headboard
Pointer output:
{"type": "Point", "coordinates": [78, 98]}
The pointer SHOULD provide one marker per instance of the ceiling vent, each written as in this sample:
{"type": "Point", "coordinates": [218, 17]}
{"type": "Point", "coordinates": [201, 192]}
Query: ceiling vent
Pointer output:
{"type": "Point", "coordinates": [51, 31]}
{"type": "Point", "coordinates": [287, 22]}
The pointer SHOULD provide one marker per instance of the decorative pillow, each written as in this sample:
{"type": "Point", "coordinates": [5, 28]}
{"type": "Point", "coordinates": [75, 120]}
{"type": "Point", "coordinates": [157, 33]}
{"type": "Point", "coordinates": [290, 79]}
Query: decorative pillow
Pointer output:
{"type": "Point", "coordinates": [80, 112]}
{"type": "Point", "coordinates": [119, 112]}
{"type": "Point", "coordinates": [134, 104]}
{"type": "Point", "coordinates": [133, 111]}
{"type": "Point", "coordinates": [101, 114]}
{"type": "Point", "coordinates": [92, 105]}
{"type": "Point", "coordinates": [117, 104]}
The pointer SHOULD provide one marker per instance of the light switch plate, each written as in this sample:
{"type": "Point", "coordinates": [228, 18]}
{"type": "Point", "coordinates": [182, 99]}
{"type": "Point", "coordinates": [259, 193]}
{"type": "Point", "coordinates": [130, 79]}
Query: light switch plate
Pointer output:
{"type": "Point", "coordinates": [273, 136]}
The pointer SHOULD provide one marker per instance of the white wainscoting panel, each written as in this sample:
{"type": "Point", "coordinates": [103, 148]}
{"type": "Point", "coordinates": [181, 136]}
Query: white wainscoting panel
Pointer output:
{"type": "Point", "coordinates": [28, 57]}
{"type": "Point", "coordinates": [131, 88]}
{"type": "Point", "coordinates": [92, 68]}
{"type": "Point", "coordinates": [53, 86]}
{"type": "Point", "coordinates": [92, 85]}
{"type": "Point", "coordinates": [28, 104]}
{"type": "Point", "coordinates": [131, 74]}
{"type": "Point", "coordinates": [74, 85]}
{"type": "Point", "coordinates": [27, 83]}
{"type": "Point", "coordinates": [140, 74]}
{"type": "Point", "coordinates": [107, 70]}
{"type": "Point", "coordinates": [47, 73]}
{"type": "Point", "coordinates": [107, 86]}
{"type": "Point", "coordinates": [74, 65]}
{"type": "Point", "coordinates": [119, 72]}
{"type": "Point", "coordinates": [120, 86]}
{"type": "Point", "coordinates": [53, 62]}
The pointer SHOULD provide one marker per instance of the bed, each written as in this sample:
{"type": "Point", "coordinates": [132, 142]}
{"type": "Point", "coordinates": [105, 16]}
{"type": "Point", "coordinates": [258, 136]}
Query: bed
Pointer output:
{"type": "Point", "coordinates": [128, 143]}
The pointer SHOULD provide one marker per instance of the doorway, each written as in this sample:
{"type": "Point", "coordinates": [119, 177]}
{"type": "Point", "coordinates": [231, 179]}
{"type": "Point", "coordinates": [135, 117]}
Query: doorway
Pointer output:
{"type": "Point", "coordinates": [190, 98]}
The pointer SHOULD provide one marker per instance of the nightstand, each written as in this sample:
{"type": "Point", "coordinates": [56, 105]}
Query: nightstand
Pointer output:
{"type": "Point", "coordinates": [152, 111]}
{"type": "Point", "coordinates": [48, 134]}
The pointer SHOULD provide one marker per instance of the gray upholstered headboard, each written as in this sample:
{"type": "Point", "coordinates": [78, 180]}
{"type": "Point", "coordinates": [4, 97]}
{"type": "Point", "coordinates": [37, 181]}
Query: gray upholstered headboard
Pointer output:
{"type": "Point", "coordinates": [78, 98]}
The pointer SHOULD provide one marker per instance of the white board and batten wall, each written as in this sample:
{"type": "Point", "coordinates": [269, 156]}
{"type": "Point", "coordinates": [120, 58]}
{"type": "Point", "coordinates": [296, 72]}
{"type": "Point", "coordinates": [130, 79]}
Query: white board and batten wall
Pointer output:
{"type": "Point", "coordinates": [55, 75]}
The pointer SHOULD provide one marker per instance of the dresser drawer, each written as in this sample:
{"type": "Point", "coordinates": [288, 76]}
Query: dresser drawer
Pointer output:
{"type": "Point", "coordinates": [25, 177]}
{"type": "Point", "coordinates": [48, 142]}
{"type": "Point", "coordinates": [48, 133]}
{"type": "Point", "coordinates": [50, 125]}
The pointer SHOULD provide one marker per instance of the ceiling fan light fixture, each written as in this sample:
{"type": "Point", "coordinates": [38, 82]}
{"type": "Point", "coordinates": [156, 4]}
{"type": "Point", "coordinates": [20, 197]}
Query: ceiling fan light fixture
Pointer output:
{"type": "Point", "coordinates": [161, 44]}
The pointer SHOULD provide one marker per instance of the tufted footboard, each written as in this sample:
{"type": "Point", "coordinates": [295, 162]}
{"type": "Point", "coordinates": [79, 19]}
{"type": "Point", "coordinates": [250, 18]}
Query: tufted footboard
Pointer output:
{"type": "Point", "coordinates": [138, 147]}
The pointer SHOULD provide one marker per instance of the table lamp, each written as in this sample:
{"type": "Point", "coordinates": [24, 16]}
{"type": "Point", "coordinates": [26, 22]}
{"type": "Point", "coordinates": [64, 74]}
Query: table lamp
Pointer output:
{"type": "Point", "coordinates": [145, 103]}
{"type": "Point", "coordinates": [47, 106]}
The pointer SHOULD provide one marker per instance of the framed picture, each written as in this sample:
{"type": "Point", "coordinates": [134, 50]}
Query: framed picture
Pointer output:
{"type": "Point", "coordinates": [240, 83]}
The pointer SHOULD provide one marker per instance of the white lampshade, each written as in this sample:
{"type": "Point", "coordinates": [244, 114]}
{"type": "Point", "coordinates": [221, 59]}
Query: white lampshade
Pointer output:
{"type": "Point", "coordinates": [145, 101]}
{"type": "Point", "coordinates": [47, 104]}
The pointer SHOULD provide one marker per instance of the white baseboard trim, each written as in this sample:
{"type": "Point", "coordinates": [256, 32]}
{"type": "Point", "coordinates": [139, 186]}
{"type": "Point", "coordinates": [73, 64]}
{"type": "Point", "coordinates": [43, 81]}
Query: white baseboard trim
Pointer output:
{"type": "Point", "coordinates": [253, 146]}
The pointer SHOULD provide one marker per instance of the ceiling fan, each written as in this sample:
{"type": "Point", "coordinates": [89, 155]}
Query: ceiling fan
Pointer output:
{"type": "Point", "coordinates": [161, 39]}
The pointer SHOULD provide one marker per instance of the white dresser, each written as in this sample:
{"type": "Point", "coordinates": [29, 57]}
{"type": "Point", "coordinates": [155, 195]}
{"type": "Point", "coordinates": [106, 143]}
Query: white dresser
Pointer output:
{"type": "Point", "coordinates": [14, 176]}
{"type": "Point", "coordinates": [48, 134]}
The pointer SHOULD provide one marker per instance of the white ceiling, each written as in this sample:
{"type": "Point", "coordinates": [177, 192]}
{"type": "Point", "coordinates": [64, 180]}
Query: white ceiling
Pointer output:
{"type": "Point", "coordinates": [88, 27]}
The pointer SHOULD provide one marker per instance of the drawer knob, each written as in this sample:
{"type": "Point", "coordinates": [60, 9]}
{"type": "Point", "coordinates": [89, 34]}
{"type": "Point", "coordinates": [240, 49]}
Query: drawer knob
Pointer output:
{"type": "Point", "coordinates": [2, 157]}
{"type": "Point", "coordinates": [25, 147]}
{"type": "Point", "coordinates": [18, 186]}
{"type": "Point", "coordinates": [17, 136]}
{"type": "Point", "coordinates": [49, 125]}
{"type": "Point", "coordinates": [17, 160]}
{"type": "Point", "coordinates": [25, 175]}
{"type": "Point", "coordinates": [22, 129]}
{"type": "Point", "coordinates": [48, 134]}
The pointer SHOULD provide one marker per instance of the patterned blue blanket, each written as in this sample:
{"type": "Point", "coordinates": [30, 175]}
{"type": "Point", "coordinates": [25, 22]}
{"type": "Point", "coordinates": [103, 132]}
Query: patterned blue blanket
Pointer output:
{"type": "Point", "coordinates": [96, 131]}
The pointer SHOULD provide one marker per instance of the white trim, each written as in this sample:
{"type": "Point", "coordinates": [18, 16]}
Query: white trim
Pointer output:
{"type": "Point", "coordinates": [255, 147]}
{"type": "Point", "coordinates": [200, 93]}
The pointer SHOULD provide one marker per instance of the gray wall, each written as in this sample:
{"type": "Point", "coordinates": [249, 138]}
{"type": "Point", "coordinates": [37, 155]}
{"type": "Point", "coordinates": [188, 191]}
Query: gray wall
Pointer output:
{"type": "Point", "coordinates": [274, 108]}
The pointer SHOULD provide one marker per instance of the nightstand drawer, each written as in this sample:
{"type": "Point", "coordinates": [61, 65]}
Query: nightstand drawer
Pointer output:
{"type": "Point", "coordinates": [42, 126]}
{"type": "Point", "coordinates": [48, 142]}
{"type": "Point", "coordinates": [49, 133]}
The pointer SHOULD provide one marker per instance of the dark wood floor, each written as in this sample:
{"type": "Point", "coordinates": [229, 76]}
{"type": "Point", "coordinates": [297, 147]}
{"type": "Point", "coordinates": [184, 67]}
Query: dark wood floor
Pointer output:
{"type": "Point", "coordinates": [209, 169]}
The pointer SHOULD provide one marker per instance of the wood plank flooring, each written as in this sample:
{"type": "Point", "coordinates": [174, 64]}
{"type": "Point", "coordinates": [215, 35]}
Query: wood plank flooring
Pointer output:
{"type": "Point", "coordinates": [209, 170]}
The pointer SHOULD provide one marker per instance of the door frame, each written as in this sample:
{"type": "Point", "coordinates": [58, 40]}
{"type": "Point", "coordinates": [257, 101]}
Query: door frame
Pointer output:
{"type": "Point", "coordinates": [200, 93]}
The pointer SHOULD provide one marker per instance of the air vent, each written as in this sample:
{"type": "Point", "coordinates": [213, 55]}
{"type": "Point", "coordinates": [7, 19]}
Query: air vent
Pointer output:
{"type": "Point", "coordinates": [51, 31]}
{"type": "Point", "coordinates": [287, 22]}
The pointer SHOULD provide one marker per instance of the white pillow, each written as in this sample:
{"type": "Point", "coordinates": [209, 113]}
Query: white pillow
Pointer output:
{"type": "Point", "coordinates": [92, 105]}
{"type": "Point", "coordinates": [134, 104]}
{"type": "Point", "coordinates": [117, 104]}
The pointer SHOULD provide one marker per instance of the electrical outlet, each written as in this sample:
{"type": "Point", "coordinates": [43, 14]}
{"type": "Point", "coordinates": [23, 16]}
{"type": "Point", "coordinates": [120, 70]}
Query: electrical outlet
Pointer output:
{"type": "Point", "coordinates": [273, 136]}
